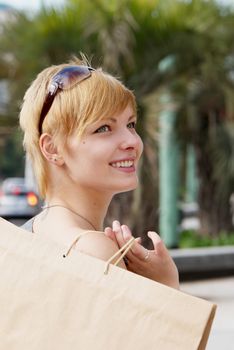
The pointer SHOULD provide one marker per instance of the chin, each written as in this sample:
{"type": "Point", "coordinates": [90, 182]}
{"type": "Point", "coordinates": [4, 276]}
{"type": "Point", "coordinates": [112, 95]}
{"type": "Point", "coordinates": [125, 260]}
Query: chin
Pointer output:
{"type": "Point", "coordinates": [128, 188]}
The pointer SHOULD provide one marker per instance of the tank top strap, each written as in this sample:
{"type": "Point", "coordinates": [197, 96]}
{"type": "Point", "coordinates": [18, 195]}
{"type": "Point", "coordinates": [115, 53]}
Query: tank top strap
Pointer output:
{"type": "Point", "coordinates": [81, 234]}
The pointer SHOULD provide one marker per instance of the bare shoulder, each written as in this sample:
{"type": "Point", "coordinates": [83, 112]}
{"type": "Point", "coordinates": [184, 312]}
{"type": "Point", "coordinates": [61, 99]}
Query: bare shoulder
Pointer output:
{"type": "Point", "coordinates": [97, 244]}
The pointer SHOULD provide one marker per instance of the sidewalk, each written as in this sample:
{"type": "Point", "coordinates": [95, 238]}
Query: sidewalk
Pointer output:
{"type": "Point", "coordinates": [221, 292]}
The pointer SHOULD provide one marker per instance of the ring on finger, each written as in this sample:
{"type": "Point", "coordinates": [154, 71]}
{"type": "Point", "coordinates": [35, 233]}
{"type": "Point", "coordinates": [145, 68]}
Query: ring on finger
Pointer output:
{"type": "Point", "coordinates": [147, 255]}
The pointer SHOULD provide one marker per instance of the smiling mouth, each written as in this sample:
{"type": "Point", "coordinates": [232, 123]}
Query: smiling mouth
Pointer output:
{"type": "Point", "coordinates": [123, 164]}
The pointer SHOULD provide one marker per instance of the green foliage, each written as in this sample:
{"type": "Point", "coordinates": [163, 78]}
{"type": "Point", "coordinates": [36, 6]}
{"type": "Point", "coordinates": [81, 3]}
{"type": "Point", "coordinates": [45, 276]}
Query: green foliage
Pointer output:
{"type": "Point", "coordinates": [191, 239]}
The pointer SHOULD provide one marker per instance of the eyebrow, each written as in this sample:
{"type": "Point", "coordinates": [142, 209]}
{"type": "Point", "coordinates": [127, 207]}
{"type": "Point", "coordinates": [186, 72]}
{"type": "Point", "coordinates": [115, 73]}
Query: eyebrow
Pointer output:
{"type": "Point", "coordinates": [114, 120]}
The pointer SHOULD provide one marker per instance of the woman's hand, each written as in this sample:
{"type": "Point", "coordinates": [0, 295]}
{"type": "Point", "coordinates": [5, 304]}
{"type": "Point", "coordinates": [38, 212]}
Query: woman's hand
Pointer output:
{"type": "Point", "coordinates": [155, 264]}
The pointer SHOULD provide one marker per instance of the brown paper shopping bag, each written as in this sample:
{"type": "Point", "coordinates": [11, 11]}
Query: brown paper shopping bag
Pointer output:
{"type": "Point", "coordinates": [51, 303]}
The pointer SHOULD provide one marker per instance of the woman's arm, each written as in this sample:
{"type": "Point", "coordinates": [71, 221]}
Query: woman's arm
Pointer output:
{"type": "Point", "coordinates": [155, 264]}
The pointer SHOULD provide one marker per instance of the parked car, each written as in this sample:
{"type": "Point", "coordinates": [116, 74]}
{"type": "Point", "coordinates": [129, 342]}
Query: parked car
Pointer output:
{"type": "Point", "coordinates": [17, 200]}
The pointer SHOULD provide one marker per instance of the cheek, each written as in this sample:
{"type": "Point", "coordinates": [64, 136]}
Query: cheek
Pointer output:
{"type": "Point", "coordinates": [92, 155]}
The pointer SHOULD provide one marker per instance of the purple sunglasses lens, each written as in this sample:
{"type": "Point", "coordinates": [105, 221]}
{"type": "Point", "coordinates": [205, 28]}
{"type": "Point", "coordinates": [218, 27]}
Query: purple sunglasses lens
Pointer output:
{"type": "Point", "coordinates": [63, 80]}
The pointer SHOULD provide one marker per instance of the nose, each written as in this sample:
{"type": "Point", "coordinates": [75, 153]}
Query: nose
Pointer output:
{"type": "Point", "coordinates": [130, 140]}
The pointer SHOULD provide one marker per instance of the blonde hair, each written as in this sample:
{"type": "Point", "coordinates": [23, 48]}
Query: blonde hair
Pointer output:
{"type": "Point", "coordinates": [97, 97]}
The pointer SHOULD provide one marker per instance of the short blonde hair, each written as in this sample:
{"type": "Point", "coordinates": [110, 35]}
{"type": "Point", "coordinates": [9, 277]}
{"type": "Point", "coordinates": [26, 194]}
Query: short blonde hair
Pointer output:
{"type": "Point", "coordinates": [98, 97]}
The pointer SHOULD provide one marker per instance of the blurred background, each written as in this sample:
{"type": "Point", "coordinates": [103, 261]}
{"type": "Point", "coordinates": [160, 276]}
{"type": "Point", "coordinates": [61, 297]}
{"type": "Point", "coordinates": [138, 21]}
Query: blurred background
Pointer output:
{"type": "Point", "coordinates": [178, 57]}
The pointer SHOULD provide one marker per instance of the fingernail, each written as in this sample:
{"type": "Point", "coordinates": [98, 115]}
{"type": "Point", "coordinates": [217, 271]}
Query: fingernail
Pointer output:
{"type": "Point", "coordinates": [150, 232]}
{"type": "Point", "coordinates": [116, 224]}
{"type": "Point", "coordinates": [126, 234]}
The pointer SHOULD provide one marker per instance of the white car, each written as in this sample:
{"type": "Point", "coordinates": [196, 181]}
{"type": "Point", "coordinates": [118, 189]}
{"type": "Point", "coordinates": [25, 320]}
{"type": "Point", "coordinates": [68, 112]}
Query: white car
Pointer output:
{"type": "Point", "coordinates": [17, 200]}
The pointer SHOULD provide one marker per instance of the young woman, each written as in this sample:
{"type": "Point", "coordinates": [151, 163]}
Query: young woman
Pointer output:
{"type": "Point", "coordinates": [79, 131]}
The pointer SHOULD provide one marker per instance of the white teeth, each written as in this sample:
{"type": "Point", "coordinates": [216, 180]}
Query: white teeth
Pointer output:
{"type": "Point", "coordinates": [123, 164]}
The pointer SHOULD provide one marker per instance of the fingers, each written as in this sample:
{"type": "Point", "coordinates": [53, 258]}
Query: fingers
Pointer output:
{"type": "Point", "coordinates": [138, 250]}
{"type": "Point", "coordinates": [123, 234]}
{"type": "Point", "coordinates": [127, 234]}
{"type": "Point", "coordinates": [158, 243]}
{"type": "Point", "coordinates": [154, 237]}
{"type": "Point", "coordinates": [109, 233]}
{"type": "Point", "coordinates": [118, 233]}
{"type": "Point", "coordinates": [154, 264]}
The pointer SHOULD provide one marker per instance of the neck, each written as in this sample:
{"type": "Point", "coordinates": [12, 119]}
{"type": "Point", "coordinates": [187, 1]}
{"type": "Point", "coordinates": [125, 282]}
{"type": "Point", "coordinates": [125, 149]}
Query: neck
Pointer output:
{"type": "Point", "coordinates": [92, 207]}
{"type": "Point", "coordinates": [49, 206]}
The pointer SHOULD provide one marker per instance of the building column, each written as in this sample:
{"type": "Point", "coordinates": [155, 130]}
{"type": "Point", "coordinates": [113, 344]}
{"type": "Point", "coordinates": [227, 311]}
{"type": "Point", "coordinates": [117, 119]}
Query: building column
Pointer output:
{"type": "Point", "coordinates": [168, 173]}
{"type": "Point", "coordinates": [191, 176]}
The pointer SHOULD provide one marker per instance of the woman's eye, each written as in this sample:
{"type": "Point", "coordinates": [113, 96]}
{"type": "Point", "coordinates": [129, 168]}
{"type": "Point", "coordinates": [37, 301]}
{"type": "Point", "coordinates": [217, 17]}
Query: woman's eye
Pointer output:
{"type": "Point", "coordinates": [132, 125]}
{"type": "Point", "coordinates": [103, 128]}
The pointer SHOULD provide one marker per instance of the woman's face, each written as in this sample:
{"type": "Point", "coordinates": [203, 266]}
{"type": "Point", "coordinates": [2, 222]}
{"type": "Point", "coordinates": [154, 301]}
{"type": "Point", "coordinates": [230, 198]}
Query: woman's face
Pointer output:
{"type": "Point", "coordinates": [106, 157]}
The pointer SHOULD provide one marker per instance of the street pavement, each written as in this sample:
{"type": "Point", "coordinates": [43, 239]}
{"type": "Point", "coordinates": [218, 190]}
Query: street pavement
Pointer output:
{"type": "Point", "coordinates": [221, 292]}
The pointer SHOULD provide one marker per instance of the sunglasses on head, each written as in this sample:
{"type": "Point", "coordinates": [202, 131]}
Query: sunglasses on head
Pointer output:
{"type": "Point", "coordinates": [63, 80]}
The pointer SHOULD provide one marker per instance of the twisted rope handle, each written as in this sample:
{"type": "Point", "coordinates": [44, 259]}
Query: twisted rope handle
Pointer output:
{"type": "Point", "coordinates": [125, 248]}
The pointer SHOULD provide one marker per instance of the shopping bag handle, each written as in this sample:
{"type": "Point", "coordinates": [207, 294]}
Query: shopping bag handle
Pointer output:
{"type": "Point", "coordinates": [124, 249]}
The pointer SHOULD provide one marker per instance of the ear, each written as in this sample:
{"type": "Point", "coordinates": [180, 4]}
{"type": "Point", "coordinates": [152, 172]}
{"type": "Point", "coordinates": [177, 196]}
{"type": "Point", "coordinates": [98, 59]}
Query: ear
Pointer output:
{"type": "Point", "coordinates": [50, 150]}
